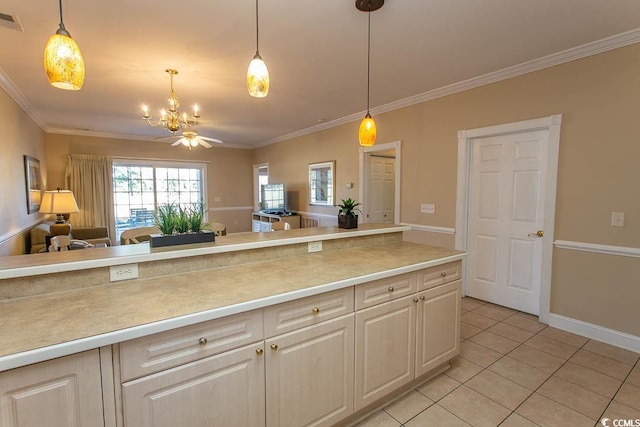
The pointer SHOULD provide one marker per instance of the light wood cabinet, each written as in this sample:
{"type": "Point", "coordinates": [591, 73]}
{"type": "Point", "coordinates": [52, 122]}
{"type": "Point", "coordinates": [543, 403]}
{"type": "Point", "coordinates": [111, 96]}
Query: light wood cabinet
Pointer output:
{"type": "Point", "coordinates": [261, 222]}
{"type": "Point", "coordinates": [438, 328]}
{"type": "Point", "coordinates": [309, 374]}
{"type": "Point", "coordinates": [385, 349]}
{"type": "Point", "coordinates": [222, 390]}
{"type": "Point", "coordinates": [61, 392]}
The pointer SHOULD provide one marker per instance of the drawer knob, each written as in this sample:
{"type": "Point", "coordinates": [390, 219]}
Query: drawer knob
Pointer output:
{"type": "Point", "coordinates": [274, 347]}
{"type": "Point", "coordinates": [202, 341]}
{"type": "Point", "coordinates": [443, 274]}
{"type": "Point", "coordinates": [315, 310]}
{"type": "Point", "coordinates": [415, 300]}
{"type": "Point", "coordinates": [422, 297]}
{"type": "Point", "coordinates": [390, 289]}
{"type": "Point", "coordinates": [259, 351]}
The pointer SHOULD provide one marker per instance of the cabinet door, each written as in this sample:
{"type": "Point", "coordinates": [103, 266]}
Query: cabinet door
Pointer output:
{"type": "Point", "coordinates": [222, 390]}
{"type": "Point", "coordinates": [310, 375]}
{"type": "Point", "coordinates": [385, 349]}
{"type": "Point", "coordinates": [64, 392]}
{"type": "Point", "coordinates": [438, 333]}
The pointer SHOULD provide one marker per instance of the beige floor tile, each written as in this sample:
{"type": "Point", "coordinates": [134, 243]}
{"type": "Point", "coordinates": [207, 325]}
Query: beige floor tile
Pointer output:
{"type": "Point", "coordinates": [462, 370]}
{"type": "Point", "coordinates": [629, 395]}
{"type": "Point", "coordinates": [527, 323]}
{"type": "Point", "coordinates": [469, 304]}
{"type": "Point", "coordinates": [515, 420]}
{"type": "Point", "coordinates": [478, 354]}
{"type": "Point", "coordinates": [575, 397]}
{"type": "Point", "coordinates": [634, 376]}
{"type": "Point", "coordinates": [474, 408]}
{"type": "Point", "coordinates": [553, 347]}
{"type": "Point", "coordinates": [617, 353]}
{"type": "Point", "coordinates": [602, 364]}
{"type": "Point", "coordinates": [477, 320]}
{"type": "Point", "coordinates": [495, 311]}
{"type": "Point", "coordinates": [467, 331]}
{"type": "Point", "coordinates": [499, 389]}
{"type": "Point", "coordinates": [438, 387]}
{"type": "Point", "coordinates": [564, 337]}
{"type": "Point", "coordinates": [436, 416]}
{"type": "Point", "coordinates": [618, 411]}
{"type": "Point", "coordinates": [379, 419]}
{"type": "Point", "coordinates": [494, 342]}
{"type": "Point", "coordinates": [519, 372]}
{"type": "Point", "coordinates": [589, 379]}
{"type": "Point", "coordinates": [408, 406]}
{"type": "Point", "coordinates": [546, 412]}
{"type": "Point", "coordinates": [536, 358]}
{"type": "Point", "coordinates": [511, 332]}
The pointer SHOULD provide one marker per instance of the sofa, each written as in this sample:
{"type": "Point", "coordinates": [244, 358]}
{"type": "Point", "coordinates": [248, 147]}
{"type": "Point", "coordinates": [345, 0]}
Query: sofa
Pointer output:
{"type": "Point", "coordinates": [91, 235]}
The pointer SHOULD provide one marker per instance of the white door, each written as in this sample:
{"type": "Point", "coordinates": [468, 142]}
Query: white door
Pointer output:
{"type": "Point", "coordinates": [506, 210]}
{"type": "Point", "coordinates": [381, 189]}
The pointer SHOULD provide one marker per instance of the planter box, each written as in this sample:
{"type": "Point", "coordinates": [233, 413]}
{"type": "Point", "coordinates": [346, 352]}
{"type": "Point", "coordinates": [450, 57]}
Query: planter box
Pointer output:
{"type": "Point", "coordinates": [160, 240]}
{"type": "Point", "coordinates": [348, 221]}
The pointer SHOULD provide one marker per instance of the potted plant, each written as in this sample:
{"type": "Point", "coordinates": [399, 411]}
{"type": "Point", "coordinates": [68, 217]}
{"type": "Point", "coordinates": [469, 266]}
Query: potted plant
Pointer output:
{"type": "Point", "coordinates": [181, 225]}
{"type": "Point", "coordinates": [346, 216]}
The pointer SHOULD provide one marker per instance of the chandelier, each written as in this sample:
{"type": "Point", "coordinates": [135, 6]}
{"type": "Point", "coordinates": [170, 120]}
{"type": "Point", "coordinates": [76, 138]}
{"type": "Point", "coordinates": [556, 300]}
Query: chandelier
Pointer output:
{"type": "Point", "coordinates": [172, 119]}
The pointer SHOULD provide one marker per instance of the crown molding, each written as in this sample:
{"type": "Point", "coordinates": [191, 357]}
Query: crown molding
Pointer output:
{"type": "Point", "coordinates": [12, 90]}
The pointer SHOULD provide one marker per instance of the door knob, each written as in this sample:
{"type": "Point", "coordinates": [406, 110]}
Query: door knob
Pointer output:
{"type": "Point", "coordinates": [538, 233]}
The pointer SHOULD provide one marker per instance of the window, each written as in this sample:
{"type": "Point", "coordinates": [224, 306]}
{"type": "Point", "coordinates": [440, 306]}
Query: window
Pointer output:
{"type": "Point", "coordinates": [139, 187]}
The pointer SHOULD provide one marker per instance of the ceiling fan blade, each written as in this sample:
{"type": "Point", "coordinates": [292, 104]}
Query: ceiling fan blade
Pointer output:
{"type": "Point", "coordinates": [166, 138]}
{"type": "Point", "coordinates": [204, 143]}
{"type": "Point", "coordinates": [178, 142]}
{"type": "Point", "coordinates": [206, 138]}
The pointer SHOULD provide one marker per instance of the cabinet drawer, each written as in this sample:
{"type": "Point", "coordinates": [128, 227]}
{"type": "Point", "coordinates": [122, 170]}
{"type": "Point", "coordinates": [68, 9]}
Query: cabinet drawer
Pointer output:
{"type": "Point", "coordinates": [296, 314]}
{"type": "Point", "coordinates": [439, 275]}
{"type": "Point", "coordinates": [153, 353]}
{"type": "Point", "coordinates": [384, 290]}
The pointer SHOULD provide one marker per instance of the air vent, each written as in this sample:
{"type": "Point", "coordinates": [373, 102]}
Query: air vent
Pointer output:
{"type": "Point", "coordinates": [10, 21]}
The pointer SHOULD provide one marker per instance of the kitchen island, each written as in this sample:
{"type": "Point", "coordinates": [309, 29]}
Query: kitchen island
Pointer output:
{"type": "Point", "coordinates": [258, 294]}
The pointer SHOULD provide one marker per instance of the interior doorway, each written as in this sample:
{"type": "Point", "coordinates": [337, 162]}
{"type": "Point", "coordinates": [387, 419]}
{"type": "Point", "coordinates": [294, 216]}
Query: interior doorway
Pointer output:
{"type": "Point", "coordinates": [505, 212]}
{"type": "Point", "coordinates": [260, 177]}
{"type": "Point", "coordinates": [380, 171]}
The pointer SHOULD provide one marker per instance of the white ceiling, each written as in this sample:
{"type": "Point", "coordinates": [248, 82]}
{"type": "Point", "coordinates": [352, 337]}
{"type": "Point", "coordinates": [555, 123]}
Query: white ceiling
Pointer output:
{"type": "Point", "coordinates": [315, 52]}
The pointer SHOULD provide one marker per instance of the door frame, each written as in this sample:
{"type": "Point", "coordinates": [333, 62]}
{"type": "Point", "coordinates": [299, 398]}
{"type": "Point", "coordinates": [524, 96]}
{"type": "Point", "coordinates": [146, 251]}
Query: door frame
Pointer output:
{"type": "Point", "coordinates": [256, 187]}
{"type": "Point", "coordinates": [363, 161]}
{"type": "Point", "coordinates": [465, 141]}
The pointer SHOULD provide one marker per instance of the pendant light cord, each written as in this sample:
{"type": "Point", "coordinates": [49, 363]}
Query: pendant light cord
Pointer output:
{"type": "Point", "coordinates": [257, 28]}
{"type": "Point", "coordinates": [61, 20]}
{"type": "Point", "coordinates": [368, 56]}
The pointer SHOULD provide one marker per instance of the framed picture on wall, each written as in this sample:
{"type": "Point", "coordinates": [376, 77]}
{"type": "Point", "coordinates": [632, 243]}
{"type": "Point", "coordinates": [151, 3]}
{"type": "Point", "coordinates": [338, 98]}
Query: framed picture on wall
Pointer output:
{"type": "Point", "coordinates": [33, 182]}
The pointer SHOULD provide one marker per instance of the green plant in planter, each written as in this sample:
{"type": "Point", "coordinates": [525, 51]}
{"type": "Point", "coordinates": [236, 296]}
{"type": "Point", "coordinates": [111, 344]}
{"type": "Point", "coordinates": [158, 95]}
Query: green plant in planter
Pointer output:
{"type": "Point", "coordinates": [346, 216]}
{"type": "Point", "coordinates": [166, 218]}
{"type": "Point", "coordinates": [175, 219]}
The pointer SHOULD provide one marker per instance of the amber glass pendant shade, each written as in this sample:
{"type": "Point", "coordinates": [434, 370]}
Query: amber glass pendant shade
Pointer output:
{"type": "Point", "coordinates": [258, 77]}
{"type": "Point", "coordinates": [367, 131]}
{"type": "Point", "coordinates": [63, 62]}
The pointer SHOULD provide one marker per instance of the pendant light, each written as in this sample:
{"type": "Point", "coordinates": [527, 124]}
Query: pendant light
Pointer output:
{"type": "Point", "coordinates": [62, 59]}
{"type": "Point", "coordinates": [257, 74]}
{"type": "Point", "coordinates": [367, 130]}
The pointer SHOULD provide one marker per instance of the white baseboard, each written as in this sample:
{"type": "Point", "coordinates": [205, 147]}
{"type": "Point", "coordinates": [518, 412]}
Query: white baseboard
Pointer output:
{"type": "Point", "coordinates": [599, 333]}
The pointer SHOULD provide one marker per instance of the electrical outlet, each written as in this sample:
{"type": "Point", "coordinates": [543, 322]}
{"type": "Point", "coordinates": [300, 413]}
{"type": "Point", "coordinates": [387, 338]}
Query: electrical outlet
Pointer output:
{"type": "Point", "coordinates": [428, 208]}
{"type": "Point", "coordinates": [315, 246]}
{"type": "Point", "coordinates": [123, 272]}
{"type": "Point", "coordinates": [617, 219]}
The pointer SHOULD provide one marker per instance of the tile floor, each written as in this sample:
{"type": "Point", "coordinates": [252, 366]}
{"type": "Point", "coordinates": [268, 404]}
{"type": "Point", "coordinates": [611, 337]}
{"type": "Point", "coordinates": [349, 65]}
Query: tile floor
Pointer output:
{"type": "Point", "coordinates": [514, 371]}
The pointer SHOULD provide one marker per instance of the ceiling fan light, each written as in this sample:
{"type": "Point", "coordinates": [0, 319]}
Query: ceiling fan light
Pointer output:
{"type": "Point", "coordinates": [258, 77]}
{"type": "Point", "coordinates": [367, 131]}
{"type": "Point", "coordinates": [63, 62]}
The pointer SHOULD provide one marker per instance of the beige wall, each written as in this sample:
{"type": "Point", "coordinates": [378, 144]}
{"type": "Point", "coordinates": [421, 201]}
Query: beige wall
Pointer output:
{"type": "Point", "coordinates": [20, 136]}
{"type": "Point", "coordinates": [598, 97]}
{"type": "Point", "coordinates": [229, 170]}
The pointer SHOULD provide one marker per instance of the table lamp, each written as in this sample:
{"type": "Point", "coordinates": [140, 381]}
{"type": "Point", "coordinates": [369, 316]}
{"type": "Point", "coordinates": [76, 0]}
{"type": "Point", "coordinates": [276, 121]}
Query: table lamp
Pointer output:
{"type": "Point", "coordinates": [59, 202]}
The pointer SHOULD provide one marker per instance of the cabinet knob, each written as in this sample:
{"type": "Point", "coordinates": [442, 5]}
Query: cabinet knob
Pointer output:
{"type": "Point", "coordinates": [315, 310]}
{"type": "Point", "coordinates": [415, 300]}
{"type": "Point", "coordinates": [422, 297]}
{"type": "Point", "coordinates": [390, 289]}
{"type": "Point", "coordinates": [202, 341]}
{"type": "Point", "coordinates": [259, 351]}
{"type": "Point", "coordinates": [443, 274]}
{"type": "Point", "coordinates": [274, 347]}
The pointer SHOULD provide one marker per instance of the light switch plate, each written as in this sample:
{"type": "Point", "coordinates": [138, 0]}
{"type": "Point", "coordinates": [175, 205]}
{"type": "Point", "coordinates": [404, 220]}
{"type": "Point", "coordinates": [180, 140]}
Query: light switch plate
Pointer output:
{"type": "Point", "coordinates": [123, 272]}
{"type": "Point", "coordinates": [315, 246]}
{"type": "Point", "coordinates": [428, 208]}
{"type": "Point", "coordinates": [617, 219]}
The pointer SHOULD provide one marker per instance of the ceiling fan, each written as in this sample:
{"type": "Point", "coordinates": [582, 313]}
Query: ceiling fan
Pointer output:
{"type": "Point", "coordinates": [192, 139]}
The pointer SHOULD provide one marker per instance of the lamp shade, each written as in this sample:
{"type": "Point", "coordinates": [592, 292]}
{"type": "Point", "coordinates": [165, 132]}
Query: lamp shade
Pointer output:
{"type": "Point", "coordinates": [63, 62]}
{"type": "Point", "coordinates": [58, 202]}
{"type": "Point", "coordinates": [258, 77]}
{"type": "Point", "coordinates": [367, 131]}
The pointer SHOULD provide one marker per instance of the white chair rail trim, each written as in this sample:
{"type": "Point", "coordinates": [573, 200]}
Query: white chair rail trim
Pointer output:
{"type": "Point", "coordinates": [430, 228]}
{"type": "Point", "coordinates": [597, 248]}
